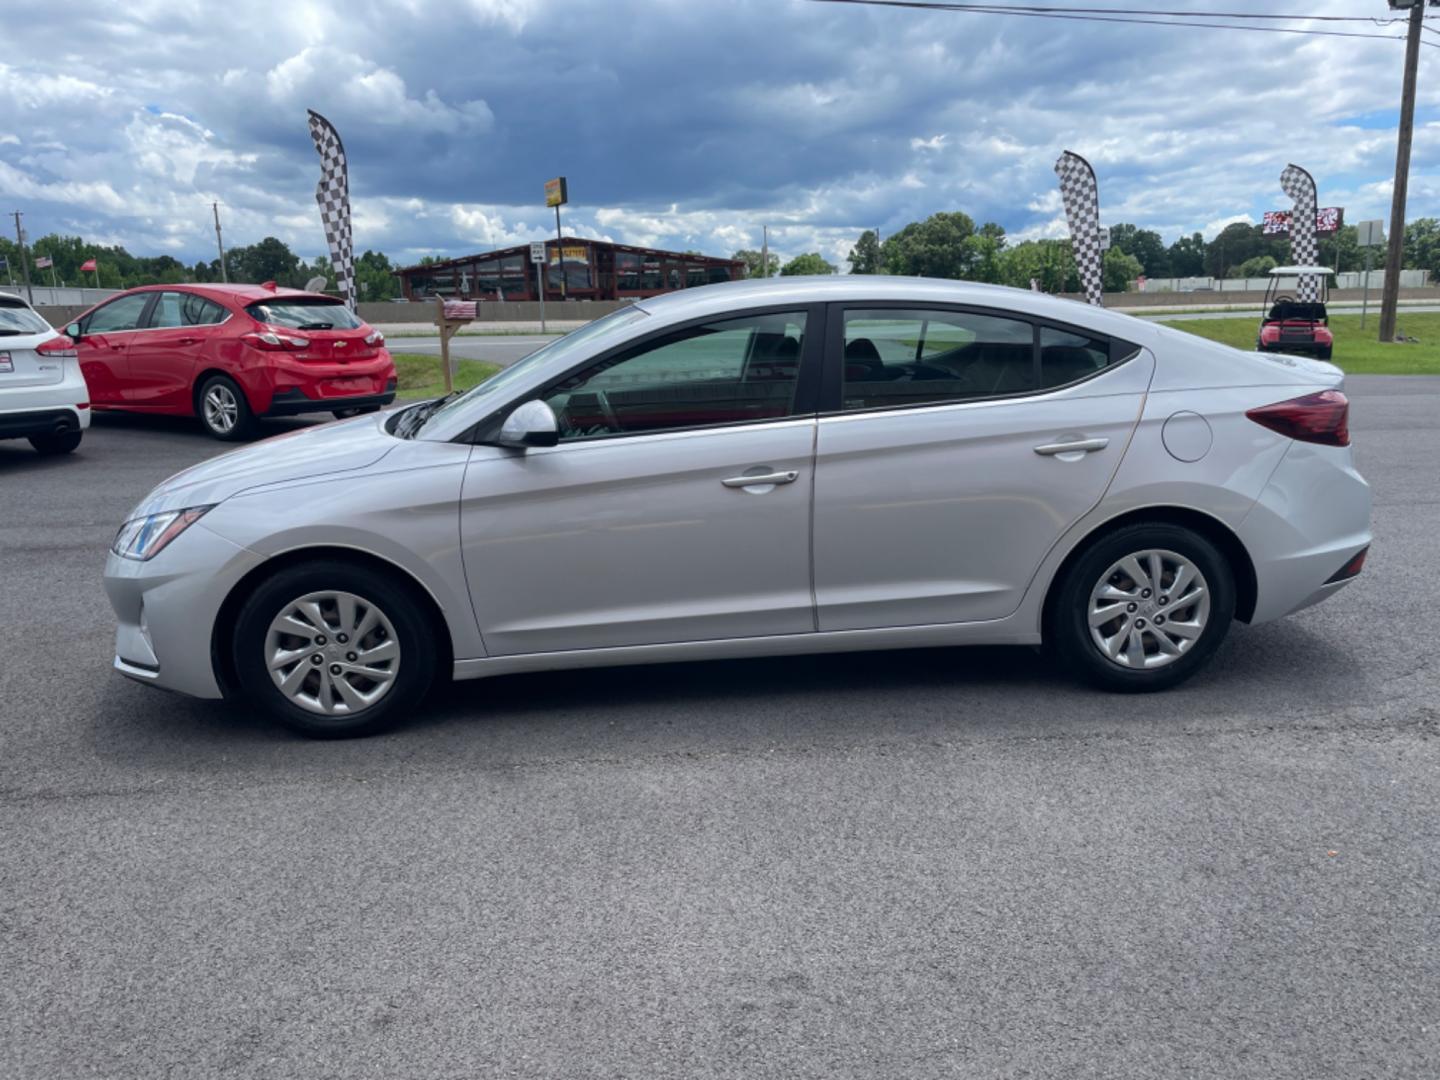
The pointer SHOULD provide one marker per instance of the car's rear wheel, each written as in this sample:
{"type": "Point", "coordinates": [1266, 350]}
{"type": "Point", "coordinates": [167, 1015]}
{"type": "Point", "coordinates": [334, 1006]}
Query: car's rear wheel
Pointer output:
{"type": "Point", "coordinates": [334, 651]}
{"type": "Point", "coordinates": [1143, 608]}
{"type": "Point", "coordinates": [223, 408]}
{"type": "Point", "coordinates": [59, 442]}
{"type": "Point", "coordinates": [1326, 352]}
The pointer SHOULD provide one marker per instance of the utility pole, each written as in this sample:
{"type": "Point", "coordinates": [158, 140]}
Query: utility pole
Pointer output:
{"type": "Point", "coordinates": [765, 251]}
{"type": "Point", "coordinates": [215, 206]}
{"type": "Point", "coordinates": [24, 259]}
{"type": "Point", "coordinates": [1390, 296]}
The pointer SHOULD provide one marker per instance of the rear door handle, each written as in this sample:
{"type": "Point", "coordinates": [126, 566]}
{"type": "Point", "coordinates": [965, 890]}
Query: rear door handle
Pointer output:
{"type": "Point", "coordinates": [1078, 446]}
{"type": "Point", "coordinates": [764, 478]}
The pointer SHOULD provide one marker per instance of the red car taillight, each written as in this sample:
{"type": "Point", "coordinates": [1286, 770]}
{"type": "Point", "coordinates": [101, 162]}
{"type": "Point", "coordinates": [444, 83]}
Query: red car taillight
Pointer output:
{"type": "Point", "coordinates": [273, 342]}
{"type": "Point", "coordinates": [1317, 418]}
{"type": "Point", "coordinates": [375, 338]}
{"type": "Point", "coordinates": [61, 347]}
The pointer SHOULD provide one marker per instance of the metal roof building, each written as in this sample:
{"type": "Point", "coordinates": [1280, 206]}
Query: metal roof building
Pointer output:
{"type": "Point", "coordinates": [575, 269]}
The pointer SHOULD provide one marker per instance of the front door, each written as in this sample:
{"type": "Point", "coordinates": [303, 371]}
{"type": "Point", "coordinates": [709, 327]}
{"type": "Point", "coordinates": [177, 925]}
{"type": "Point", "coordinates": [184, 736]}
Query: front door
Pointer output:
{"type": "Point", "coordinates": [965, 445]}
{"type": "Point", "coordinates": [675, 508]}
{"type": "Point", "coordinates": [105, 336]}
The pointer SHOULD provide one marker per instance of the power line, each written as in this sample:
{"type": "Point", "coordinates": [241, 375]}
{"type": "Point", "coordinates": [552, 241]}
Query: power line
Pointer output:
{"type": "Point", "coordinates": [955, 5]}
{"type": "Point", "coordinates": [1072, 14]}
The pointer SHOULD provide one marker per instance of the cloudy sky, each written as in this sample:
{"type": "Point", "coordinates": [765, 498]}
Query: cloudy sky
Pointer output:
{"type": "Point", "coordinates": [679, 123]}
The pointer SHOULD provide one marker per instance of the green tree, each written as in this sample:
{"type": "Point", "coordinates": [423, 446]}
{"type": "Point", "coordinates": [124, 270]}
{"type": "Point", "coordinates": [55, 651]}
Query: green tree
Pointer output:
{"type": "Point", "coordinates": [865, 255]}
{"type": "Point", "coordinates": [1049, 263]}
{"type": "Point", "coordinates": [1187, 256]}
{"type": "Point", "coordinates": [1118, 270]}
{"type": "Point", "coordinates": [811, 263]}
{"type": "Point", "coordinates": [1422, 247]}
{"type": "Point", "coordinates": [751, 259]}
{"type": "Point", "coordinates": [1145, 244]}
{"type": "Point", "coordinates": [1259, 266]}
{"type": "Point", "coordinates": [375, 278]}
{"type": "Point", "coordinates": [935, 247]}
{"type": "Point", "coordinates": [269, 260]}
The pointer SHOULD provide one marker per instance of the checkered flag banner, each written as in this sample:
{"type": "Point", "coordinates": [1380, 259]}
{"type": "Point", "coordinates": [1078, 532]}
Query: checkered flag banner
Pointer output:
{"type": "Point", "coordinates": [1304, 244]}
{"type": "Point", "coordinates": [1081, 195]}
{"type": "Point", "coordinates": [333, 195]}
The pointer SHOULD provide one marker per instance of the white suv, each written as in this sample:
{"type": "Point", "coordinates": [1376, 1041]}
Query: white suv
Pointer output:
{"type": "Point", "coordinates": [43, 396]}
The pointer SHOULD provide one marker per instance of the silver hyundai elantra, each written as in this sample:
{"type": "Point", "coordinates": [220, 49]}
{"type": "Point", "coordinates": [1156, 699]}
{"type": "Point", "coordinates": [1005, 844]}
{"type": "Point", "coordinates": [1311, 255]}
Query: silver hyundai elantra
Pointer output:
{"type": "Point", "coordinates": [759, 468]}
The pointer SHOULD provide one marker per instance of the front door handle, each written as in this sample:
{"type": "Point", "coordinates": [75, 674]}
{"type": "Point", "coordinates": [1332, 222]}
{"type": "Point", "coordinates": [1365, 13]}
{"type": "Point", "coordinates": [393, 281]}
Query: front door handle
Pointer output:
{"type": "Point", "coordinates": [1078, 446]}
{"type": "Point", "coordinates": [764, 478]}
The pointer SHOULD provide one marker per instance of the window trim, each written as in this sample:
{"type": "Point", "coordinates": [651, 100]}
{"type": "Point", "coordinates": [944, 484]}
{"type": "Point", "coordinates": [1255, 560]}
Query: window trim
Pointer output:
{"type": "Point", "coordinates": [833, 380]}
{"type": "Point", "coordinates": [807, 389]}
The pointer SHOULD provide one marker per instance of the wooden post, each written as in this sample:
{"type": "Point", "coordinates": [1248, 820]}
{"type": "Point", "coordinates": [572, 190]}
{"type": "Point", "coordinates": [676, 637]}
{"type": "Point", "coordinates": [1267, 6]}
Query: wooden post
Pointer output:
{"type": "Point", "coordinates": [445, 331]}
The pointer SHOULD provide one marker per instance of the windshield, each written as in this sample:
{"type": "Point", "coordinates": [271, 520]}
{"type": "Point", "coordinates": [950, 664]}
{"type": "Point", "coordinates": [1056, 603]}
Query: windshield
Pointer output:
{"type": "Point", "coordinates": [557, 352]}
{"type": "Point", "coordinates": [304, 313]}
{"type": "Point", "coordinates": [18, 319]}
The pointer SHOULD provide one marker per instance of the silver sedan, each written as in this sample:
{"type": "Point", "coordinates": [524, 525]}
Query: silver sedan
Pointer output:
{"type": "Point", "coordinates": [759, 468]}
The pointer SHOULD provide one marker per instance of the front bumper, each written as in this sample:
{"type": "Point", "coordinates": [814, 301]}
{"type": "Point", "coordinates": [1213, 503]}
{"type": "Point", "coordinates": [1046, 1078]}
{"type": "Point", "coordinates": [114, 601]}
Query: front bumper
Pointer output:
{"type": "Point", "coordinates": [166, 609]}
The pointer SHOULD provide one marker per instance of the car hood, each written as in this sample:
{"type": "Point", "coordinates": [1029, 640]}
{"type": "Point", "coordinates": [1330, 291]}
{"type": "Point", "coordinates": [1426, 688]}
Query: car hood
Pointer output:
{"type": "Point", "coordinates": [346, 446]}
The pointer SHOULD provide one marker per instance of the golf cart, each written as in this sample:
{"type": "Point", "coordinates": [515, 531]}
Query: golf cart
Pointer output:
{"type": "Point", "coordinates": [1291, 326]}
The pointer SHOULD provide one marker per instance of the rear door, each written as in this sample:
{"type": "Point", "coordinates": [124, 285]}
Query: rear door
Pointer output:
{"type": "Point", "coordinates": [164, 356]}
{"type": "Point", "coordinates": [105, 336]}
{"type": "Point", "coordinates": [21, 330]}
{"type": "Point", "coordinates": [964, 444]}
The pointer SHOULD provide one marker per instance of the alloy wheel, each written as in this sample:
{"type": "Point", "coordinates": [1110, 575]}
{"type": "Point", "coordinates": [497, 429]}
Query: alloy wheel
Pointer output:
{"type": "Point", "coordinates": [1149, 609]}
{"type": "Point", "coordinates": [332, 653]}
{"type": "Point", "coordinates": [221, 409]}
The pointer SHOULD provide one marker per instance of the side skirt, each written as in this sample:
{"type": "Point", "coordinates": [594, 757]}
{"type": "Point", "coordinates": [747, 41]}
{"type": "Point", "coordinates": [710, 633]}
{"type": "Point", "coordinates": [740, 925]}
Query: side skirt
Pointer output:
{"type": "Point", "coordinates": [996, 632]}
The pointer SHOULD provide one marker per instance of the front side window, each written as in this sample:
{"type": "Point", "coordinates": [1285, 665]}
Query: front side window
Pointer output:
{"type": "Point", "coordinates": [303, 314]}
{"type": "Point", "coordinates": [121, 314]}
{"type": "Point", "coordinates": [724, 372]}
{"type": "Point", "coordinates": [895, 357]}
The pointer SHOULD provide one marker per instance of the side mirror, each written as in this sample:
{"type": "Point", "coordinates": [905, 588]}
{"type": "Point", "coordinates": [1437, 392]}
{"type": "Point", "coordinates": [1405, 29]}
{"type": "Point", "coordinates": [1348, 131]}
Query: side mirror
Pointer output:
{"type": "Point", "coordinates": [532, 424]}
{"type": "Point", "coordinates": [73, 332]}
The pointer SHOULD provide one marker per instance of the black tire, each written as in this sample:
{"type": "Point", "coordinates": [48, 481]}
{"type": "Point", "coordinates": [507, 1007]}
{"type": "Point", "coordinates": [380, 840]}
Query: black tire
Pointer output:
{"type": "Point", "coordinates": [394, 601]}
{"type": "Point", "coordinates": [60, 442]}
{"type": "Point", "coordinates": [1325, 353]}
{"type": "Point", "coordinates": [228, 392]}
{"type": "Point", "coordinates": [1068, 633]}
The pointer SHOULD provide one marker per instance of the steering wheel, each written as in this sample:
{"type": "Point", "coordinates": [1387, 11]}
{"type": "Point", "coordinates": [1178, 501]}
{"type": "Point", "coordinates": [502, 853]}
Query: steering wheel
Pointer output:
{"type": "Point", "coordinates": [611, 420]}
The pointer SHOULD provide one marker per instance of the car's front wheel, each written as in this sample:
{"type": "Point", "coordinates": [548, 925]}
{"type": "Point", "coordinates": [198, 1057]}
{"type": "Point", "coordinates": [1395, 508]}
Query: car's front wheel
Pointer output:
{"type": "Point", "coordinates": [223, 408]}
{"type": "Point", "coordinates": [1143, 608]}
{"type": "Point", "coordinates": [334, 650]}
{"type": "Point", "coordinates": [60, 442]}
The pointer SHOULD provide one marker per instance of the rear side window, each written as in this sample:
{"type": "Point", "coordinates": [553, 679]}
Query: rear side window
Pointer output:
{"type": "Point", "coordinates": [19, 319]}
{"type": "Point", "coordinates": [895, 357]}
{"type": "Point", "coordinates": [184, 309]}
{"type": "Point", "coordinates": [302, 314]}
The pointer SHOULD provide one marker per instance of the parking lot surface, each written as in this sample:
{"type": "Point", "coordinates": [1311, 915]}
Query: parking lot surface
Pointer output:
{"type": "Point", "coordinates": [930, 863]}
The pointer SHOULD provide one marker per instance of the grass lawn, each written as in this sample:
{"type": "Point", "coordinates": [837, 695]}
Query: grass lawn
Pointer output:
{"type": "Point", "coordinates": [1356, 350]}
{"type": "Point", "coordinates": [419, 375]}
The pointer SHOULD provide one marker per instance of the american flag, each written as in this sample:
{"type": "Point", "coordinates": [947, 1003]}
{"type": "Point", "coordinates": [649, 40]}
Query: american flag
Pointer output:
{"type": "Point", "coordinates": [333, 195]}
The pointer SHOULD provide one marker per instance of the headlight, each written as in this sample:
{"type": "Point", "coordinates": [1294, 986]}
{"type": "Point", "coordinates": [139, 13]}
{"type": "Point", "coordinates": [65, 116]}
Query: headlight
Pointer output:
{"type": "Point", "coordinates": [146, 537]}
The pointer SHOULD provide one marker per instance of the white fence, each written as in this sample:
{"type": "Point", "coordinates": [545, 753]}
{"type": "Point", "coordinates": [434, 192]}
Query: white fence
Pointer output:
{"type": "Point", "coordinates": [1409, 279]}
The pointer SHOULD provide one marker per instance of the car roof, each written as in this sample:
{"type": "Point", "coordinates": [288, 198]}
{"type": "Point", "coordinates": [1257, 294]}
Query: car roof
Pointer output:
{"type": "Point", "coordinates": [686, 304]}
{"type": "Point", "coordinates": [12, 300]}
{"type": "Point", "coordinates": [240, 293]}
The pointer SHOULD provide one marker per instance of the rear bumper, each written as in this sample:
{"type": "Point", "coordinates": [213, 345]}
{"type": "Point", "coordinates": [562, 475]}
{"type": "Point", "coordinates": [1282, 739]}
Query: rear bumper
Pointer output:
{"type": "Point", "coordinates": [293, 402]}
{"type": "Point", "coordinates": [1312, 518]}
{"type": "Point", "coordinates": [27, 422]}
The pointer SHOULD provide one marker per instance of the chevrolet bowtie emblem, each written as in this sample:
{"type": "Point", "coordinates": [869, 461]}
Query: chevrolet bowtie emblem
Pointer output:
{"type": "Point", "coordinates": [341, 344]}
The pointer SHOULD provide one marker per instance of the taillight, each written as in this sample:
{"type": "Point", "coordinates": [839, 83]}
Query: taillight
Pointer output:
{"type": "Point", "coordinates": [375, 337]}
{"type": "Point", "coordinates": [61, 347]}
{"type": "Point", "coordinates": [1317, 418]}
{"type": "Point", "coordinates": [269, 340]}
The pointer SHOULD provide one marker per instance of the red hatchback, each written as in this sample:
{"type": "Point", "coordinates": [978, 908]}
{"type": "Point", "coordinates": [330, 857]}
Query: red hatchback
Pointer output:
{"type": "Point", "coordinates": [230, 354]}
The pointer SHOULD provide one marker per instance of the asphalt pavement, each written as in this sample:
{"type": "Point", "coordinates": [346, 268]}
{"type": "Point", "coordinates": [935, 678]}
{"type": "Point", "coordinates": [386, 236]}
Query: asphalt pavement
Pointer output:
{"type": "Point", "coordinates": [935, 863]}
